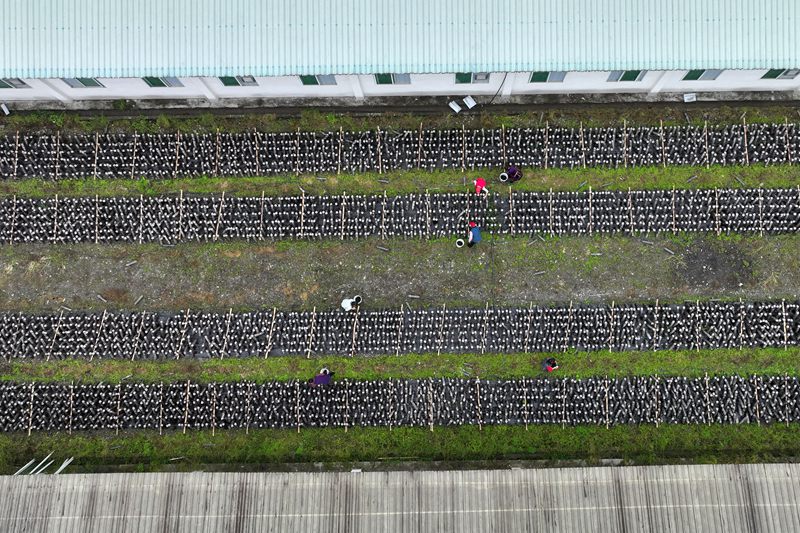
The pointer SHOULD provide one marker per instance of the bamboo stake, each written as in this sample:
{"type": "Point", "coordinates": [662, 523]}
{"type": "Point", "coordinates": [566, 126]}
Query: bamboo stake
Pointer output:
{"type": "Point", "coordinates": [716, 210]}
{"type": "Point", "coordinates": [346, 405]}
{"type": "Point", "coordinates": [216, 158]}
{"type": "Point", "coordinates": [708, 406]}
{"type": "Point", "coordinates": [16, 153]}
{"type": "Point", "coordinates": [785, 326]}
{"type": "Point", "coordinates": [608, 423]}
{"type": "Point", "coordinates": [485, 327]}
{"type": "Point", "coordinates": [478, 398]}
{"type": "Point", "coordinates": [58, 154]}
{"type": "Point", "coordinates": [271, 331]}
{"type": "Point", "coordinates": [138, 336]}
{"type": "Point", "coordinates": [310, 336]}
{"type": "Point", "coordinates": [612, 326]}
{"type": "Point", "coordinates": [569, 327]}
{"type": "Point", "coordinates": [528, 331]}
{"type": "Point", "coordinates": [247, 411]}
{"type": "Point", "coordinates": [503, 144]}
{"type": "Point", "coordinates": [663, 146]}
{"type": "Point", "coordinates": [419, 147]}
{"type": "Point", "coordinates": [119, 404]}
{"type": "Point", "coordinates": [262, 217]}
{"type": "Point", "coordinates": [658, 401]}
{"type": "Point", "coordinates": [71, 405]}
{"type": "Point", "coordinates": [758, 407]}
{"type": "Point", "coordinates": [630, 210]}
{"type": "Point", "coordinates": [186, 407]}
{"type": "Point", "coordinates": [380, 159]}
{"type": "Point", "coordinates": [785, 140]}
{"type": "Point", "coordinates": [428, 212]}
{"type": "Point", "coordinates": [141, 219]}
{"type": "Point", "coordinates": [430, 406]}
{"type": "Point", "coordinates": [257, 141]}
{"type": "Point", "coordinates": [99, 333]}
{"type": "Point", "coordinates": [583, 148]}
{"type": "Point", "coordinates": [55, 221]}
{"type": "Point", "coordinates": [746, 149]}
{"type": "Point", "coordinates": [546, 143]}
{"type": "Point", "coordinates": [30, 412]}
{"type": "Point", "coordinates": [463, 148]}
{"type": "Point", "coordinates": [219, 216]}
{"type": "Point", "coordinates": [341, 216]}
{"type": "Point", "coordinates": [96, 219]}
{"type": "Point", "coordinates": [383, 217]}
{"type": "Point", "coordinates": [355, 331]}
{"type": "Point", "coordinates": [674, 216]}
{"type": "Point", "coordinates": [297, 153]}
{"type": "Point", "coordinates": [441, 331]}
{"type": "Point", "coordinates": [697, 326]}
{"type": "Point", "coordinates": [525, 403]}
{"type": "Point", "coordinates": [625, 141]}
{"type": "Point", "coordinates": [55, 336]}
{"type": "Point", "coordinates": [133, 159]}
{"type": "Point", "coordinates": [760, 212]}
{"type": "Point", "coordinates": [339, 157]}
{"type": "Point", "coordinates": [302, 212]}
{"type": "Point", "coordinates": [741, 324]}
{"type": "Point", "coordinates": [511, 210]}
{"type": "Point", "coordinates": [227, 332]}
{"type": "Point", "coordinates": [297, 404]}
{"type": "Point", "coordinates": [563, 387]}
{"type": "Point", "coordinates": [655, 327]}
{"type": "Point", "coordinates": [96, 149]}
{"type": "Point", "coordinates": [213, 409]}
{"type": "Point", "coordinates": [591, 221]}
{"type": "Point", "coordinates": [177, 154]}
{"type": "Point", "coordinates": [550, 201]}
{"type": "Point", "coordinates": [705, 135]}
{"type": "Point", "coordinates": [13, 219]}
{"type": "Point", "coordinates": [399, 331]}
{"type": "Point", "coordinates": [183, 334]}
{"type": "Point", "coordinates": [161, 408]}
{"type": "Point", "coordinates": [180, 216]}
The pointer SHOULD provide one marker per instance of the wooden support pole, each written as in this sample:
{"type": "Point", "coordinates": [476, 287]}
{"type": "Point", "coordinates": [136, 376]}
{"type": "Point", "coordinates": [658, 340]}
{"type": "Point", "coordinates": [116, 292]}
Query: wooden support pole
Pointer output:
{"type": "Point", "coordinates": [297, 153]}
{"type": "Point", "coordinates": [354, 332]}
{"type": "Point", "coordinates": [339, 156]}
{"type": "Point", "coordinates": [591, 220]}
{"type": "Point", "coordinates": [428, 213]}
{"type": "Point", "coordinates": [785, 325]}
{"type": "Point", "coordinates": [247, 407]}
{"type": "Point", "coordinates": [213, 409]}
{"type": "Point", "coordinates": [55, 335]}
{"type": "Point", "coordinates": [525, 403]}
{"type": "Point", "coordinates": [13, 219]}
{"type": "Point", "coordinates": [216, 158]}
{"type": "Point", "coordinates": [177, 154]}
{"type": "Point", "coordinates": [310, 336]}
{"type": "Point", "coordinates": [297, 404]}
{"type": "Point", "coordinates": [183, 334]}
{"type": "Point", "coordinates": [419, 147]}
{"type": "Point", "coordinates": [503, 144]}
{"type": "Point", "coordinates": [625, 141]}
{"type": "Point", "coordinates": [16, 153]}
{"type": "Point", "coordinates": [58, 154]}
{"type": "Point", "coordinates": [705, 136]}
{"type": "Point", "coordinates": [399, 332]}
{"type": "Point", "coordinates": [99, 333]}
{"type": "Point", "coordinates": [612, 326]}
{"type": "Point", "coordinates": [71, 405]}
{"type": "Point", "coordinates": [478, 403]}
{"type": "Point", "coordinates": [716, 211]}
{"type": "Point", "coordinates": [141, 219]}
{"type": "Point", "coordinates": [302, 213]}
{"type": "Point", "coordinates": [186, 407]}
{"type": "Point", "coordinates": [741, 324]}
{"type": "Point", "coordinates": [463, 148]}
{"type": "Point", "coordinates": [227, 334]}
{"type": "Point", "coordinates": [96, 219]}
{"type": "Point", "coordinates": [346, 405]}
{"type": "Point", "coordinates": [441, 330]}
{"type": "Point", "coordinates": [528, 330]}
{"type": "Point", "coordinates": [663, 146]}
{"type": "Point", "coordinates": [746, 148]}
{"type": "Point", "coordinates": [708, 401]}
{"type": "Point", "coordinates": [569, 328]}
{"type": "Point", "coordinates": [30, 411]}
{"type": "Point", "coordinates": [261, 225]}
{"type": "Point", "coordinates": [785, 141]}
{"type": "Point", "coordinates": [630, 210]}
{"type": "Point", "coordinates": [550, 202]}
{"type": "Point", "coordinates": [138, 337]}
{"type": "Point", "coordinates": [510, 210]}
{"type": "Point", "coordinates": [219, 216]}
{"type": "Point", "coordinates": [697, 326]}
{"type": "Point", "coordinates": [380, 156]}
{"type": "Point", "coordinates": [760, 212]}
{"type": "Point", "coordinates": [133, 159]}
{"type": "Point", "coordinates": [271, 331]}
{"type": "Point", "coordinates": [546, 143]}
{"type": "Point", "coordinates": [161, 408]}
{"type": "Point", "coordinates": [257, 141]}
{"type": "Point", "coordinates": [583, 148]}
{"type": "Point", "coordinates": [341, 215]}
{"type": "Point", "coordinates": [658, 400]}
{"type": "Point", "coordinates": [608, 417]}
{"type": "Point", "coordinates": [485, 328]}
{"type": "Point", "coordinates": [655, 326]}
{"type": "Point", "coordinates": [96, 150]}
{"type": "Point", "coordinates": [674, 213]}
{"type": "Point", "coordinates": [758, 407]}
{"type": "Point", "coordinates": [430, 405]}
{"type": "Point", "coordinates": [55, 220]}
{"type": "Point", "coordinates": [383, 217]}
{"type": "Point", "coordinates": [563, 388]}
{"type": "Point", "coordinates": [786, 398]}
{"type": "Point", "coordinates": [180, 216]}
{"type": "Point", "coordinates": [119, 405]}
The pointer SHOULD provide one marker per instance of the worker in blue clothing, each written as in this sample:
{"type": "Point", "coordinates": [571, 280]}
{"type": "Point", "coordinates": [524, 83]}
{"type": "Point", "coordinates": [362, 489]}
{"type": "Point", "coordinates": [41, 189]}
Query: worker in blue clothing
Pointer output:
{"type": "Point", "coordinates": [474, 236]}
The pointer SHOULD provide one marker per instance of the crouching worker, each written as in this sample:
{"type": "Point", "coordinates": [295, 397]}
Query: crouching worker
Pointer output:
{"type": "Point", "coordinates": [550, 364]}
{"type": "Point", "coordinates": [474, 235]}
{"type": "Point", "coordinates": [325, 377]}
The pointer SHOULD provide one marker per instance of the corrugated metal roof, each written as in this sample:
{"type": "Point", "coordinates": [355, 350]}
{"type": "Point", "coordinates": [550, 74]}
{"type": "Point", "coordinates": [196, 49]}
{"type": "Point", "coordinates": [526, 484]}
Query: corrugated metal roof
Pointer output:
{"type": "Point", "coordinates": [725, 498]}
{"type": "Point", "coordinates": [116, 38]}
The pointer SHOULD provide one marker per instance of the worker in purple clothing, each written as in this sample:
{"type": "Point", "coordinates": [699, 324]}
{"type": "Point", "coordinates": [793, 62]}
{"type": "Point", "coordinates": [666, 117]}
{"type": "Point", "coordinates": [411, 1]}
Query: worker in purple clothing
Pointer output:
{"type": "Point", "coordinates": [514, 174]}
{"type": "Point", "coordinates": [325, 377]}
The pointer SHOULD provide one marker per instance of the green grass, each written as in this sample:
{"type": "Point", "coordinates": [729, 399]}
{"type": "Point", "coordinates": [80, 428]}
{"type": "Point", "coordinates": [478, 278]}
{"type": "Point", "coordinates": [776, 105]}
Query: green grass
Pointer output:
{"type": "Point", "coordinates": [571, 116]}
{"type": "Point", "coordinates": [767, 361]}
{"type": "Point", "coordinates": [419, 181]}
{"type": "Point", "coordinates": [266, 449]}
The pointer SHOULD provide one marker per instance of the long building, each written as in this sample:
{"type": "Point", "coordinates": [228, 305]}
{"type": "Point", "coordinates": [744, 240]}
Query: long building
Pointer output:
{"type": "Point", "coordinates": [707, 498]}
{"type": "Point", "coordinates": [218, 53]}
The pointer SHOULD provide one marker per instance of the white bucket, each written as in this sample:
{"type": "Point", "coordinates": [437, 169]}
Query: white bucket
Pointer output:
{"type": "Point", "coordinates": [460, 243]}
{"type": "Point", "coordinates": [504, 177]}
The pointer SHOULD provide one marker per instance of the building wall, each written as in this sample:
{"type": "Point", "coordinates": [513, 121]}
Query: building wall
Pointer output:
{"type": "Point", "coordinates": [503, 85]}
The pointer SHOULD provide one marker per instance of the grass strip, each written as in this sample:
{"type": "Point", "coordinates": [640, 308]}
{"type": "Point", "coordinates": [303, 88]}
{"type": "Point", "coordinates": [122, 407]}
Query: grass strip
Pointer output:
{"type": "Point", "coordinates": [418, 181]}
{"type": "Point", "coordinates": [147, 451]}
{"type": "Point", "coordinates": [690, 363]}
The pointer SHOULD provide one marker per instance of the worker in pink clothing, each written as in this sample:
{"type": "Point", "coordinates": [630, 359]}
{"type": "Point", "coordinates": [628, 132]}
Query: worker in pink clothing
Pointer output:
{"type": "Point", "coordinates": [480, 187]}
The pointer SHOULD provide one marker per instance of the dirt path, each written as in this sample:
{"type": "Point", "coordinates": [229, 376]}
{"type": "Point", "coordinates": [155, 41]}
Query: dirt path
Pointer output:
{"type": "Point", "coordinates": [293, 275]}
